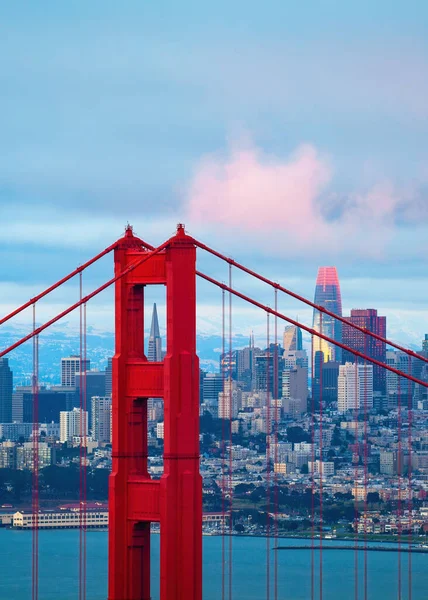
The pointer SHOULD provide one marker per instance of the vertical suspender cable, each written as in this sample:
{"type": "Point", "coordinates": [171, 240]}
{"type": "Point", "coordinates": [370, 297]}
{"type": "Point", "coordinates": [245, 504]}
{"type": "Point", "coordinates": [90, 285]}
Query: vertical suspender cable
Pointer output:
{"type": "Point", "coordinates": [399, 472]}
{"type": "Point", "coordinates": [365, 471]}
{"type": "Point", "coordinates": [275, 474]}
{"type": "Point", "coordinates": [321, 472]}
{"type": "Point", "coordinates": [268, 431]}
{"type": "Point", "coordinates": [312, 477]}
{"type": "Point", "coordinates": [223, 451]}
{"type": "Point", "coordinates": [81, 441]}
{"type": "Point", "coordinates": [356, 477]}
{"type": "Point", "coordinates": [409, 472]}
{"type": "Point", "coordinates": [230, 438]}
{"type": "Point", "coordinates": [85, 412]}
{"type": "Point", "coordinates": [35, 492]}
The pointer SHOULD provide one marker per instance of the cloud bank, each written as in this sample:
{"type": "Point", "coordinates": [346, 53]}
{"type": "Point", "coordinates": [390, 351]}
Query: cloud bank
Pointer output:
{"type": "Point", "coordinates": [289, 203]}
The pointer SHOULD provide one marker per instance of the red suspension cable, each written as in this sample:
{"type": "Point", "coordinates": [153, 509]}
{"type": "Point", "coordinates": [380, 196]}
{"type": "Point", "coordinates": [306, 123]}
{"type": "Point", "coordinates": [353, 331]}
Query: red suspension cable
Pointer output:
{"type": "Point", "coordinates": [399, 505]}
{"type": "Point", "coordinates": [223, 438]}
{"type": "Point", "coordinates": [35, 490]}
{"type": "Point", "coordinates": [356, 479]}
{"type": "Point", "coordinates": [409, 473]}
{"type": "Point", "coordinates": [84, 300]}
{"type": "Point", "coordinates": [317, 307]}
{"type": "Point", "coordinates": [307, 329]}
{"type": "Point", "coordinates": [58, 284]}
{"type": "Point", "coordinates": [275, 441]}
{"type": "Point", "coordinates": [85, 450]}
{"type": "Point", "coordinates": [365, 446]}
{"type": "Point", "coordinates": [313, 474]}
{"type": "Point", "coordinates": [81, 532]}
{"type": "Point", "coordinates": [321, 471]}
{"type": "Point", "coordinates": [230, 439]}
{"type": "Point", "coordinates": [268, 432]}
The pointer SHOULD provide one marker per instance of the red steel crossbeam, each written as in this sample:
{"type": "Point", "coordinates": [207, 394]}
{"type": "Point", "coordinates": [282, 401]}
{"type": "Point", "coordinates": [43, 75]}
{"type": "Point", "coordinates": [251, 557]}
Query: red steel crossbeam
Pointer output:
{"type": "Point", "coordinates": [321, 309]}
{"type": "Point", "coordinates": [270, 310]}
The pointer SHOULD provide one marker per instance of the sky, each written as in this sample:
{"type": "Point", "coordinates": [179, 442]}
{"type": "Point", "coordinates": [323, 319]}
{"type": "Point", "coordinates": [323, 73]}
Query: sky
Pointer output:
{"type": "Point", "coordinates": [286, 134]}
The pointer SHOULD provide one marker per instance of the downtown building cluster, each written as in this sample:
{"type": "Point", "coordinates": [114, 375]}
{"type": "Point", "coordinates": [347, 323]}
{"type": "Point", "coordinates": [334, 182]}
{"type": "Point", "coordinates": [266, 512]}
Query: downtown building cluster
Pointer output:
{"type": "Point", "coordinates": [300, 411]}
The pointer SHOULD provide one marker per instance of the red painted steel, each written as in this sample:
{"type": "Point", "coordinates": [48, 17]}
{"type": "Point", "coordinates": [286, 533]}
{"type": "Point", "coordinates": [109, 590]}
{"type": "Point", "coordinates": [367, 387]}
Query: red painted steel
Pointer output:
{"type": "Point", "coordinates": [318, 307]}
{"type": "Point", "coordinates": [269, 310]}
{"type": "Point", "coordinates": [53, 287]}
{"type": "Point", "coordinates": [135, 500]}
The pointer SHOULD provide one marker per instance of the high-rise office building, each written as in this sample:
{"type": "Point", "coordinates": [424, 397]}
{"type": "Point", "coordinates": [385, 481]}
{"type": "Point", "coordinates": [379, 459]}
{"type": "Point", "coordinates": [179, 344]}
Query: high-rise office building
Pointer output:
{"type": "Point", "coordinates": [6, 388]}
{"type": "Point", "coordinates": [50, 403]}
{"type": "Point", "coordinates": [154, 351]}
{"type": "Point", "coordinates": [295, 390]}
{"type": "Point", "coordinates": [70, 366]}
{"type": "Point", "coordinates": [212, 385]}
{"type": "Point", "coordinates": [327, 295]}
{"type": "Point", "coordinates": [267, 375]}
{"type": "Point", "coordinates": [366, 344]}
{"type": "Point", "coordinates": [355, 387]}
{"type": "Point", "coordinates": [101, 418]}
{"type": "Point", "coordinates": [329, 379]}
{"type": "Point", "coordinates": [292, 338]}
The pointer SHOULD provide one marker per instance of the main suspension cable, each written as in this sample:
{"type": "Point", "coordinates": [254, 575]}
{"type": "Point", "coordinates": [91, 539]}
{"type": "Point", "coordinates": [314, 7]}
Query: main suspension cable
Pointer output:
{"type": "Point", "coordinates": [53, 287]}
{"type": "Point", "coordinates": [300, 298]}
{"type": "Point", "coordinates": [308, 330]}
{"type": "Point", "coordinates": [84, 300]}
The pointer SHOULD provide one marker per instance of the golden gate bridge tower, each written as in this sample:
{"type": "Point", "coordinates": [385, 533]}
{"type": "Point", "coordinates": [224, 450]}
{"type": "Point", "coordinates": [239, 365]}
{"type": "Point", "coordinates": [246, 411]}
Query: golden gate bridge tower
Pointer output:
{"type": "Point", "coordinates": [174, 501]}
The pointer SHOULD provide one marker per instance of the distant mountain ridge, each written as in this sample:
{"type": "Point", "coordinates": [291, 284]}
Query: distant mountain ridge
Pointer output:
{"type": "Point", "coordinates": [62, 341]}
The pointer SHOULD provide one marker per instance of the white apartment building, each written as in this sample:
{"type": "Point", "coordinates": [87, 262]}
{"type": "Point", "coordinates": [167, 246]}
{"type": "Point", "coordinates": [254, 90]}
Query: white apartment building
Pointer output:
{"type": "Point", "coordinates": [72, 423]}
{"type": "Point", "coordinates": [101, 418]}
{"type": "Point", "coordinates": [355, 387]}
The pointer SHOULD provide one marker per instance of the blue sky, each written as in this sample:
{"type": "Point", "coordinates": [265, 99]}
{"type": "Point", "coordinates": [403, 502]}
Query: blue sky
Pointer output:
{"type": "Point", "coordinates": [289, 135]}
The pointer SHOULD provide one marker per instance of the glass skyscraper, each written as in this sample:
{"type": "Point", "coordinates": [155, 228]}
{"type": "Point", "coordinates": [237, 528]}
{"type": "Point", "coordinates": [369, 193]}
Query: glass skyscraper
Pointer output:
{"type": "Point", "coordinates": [327, 295]}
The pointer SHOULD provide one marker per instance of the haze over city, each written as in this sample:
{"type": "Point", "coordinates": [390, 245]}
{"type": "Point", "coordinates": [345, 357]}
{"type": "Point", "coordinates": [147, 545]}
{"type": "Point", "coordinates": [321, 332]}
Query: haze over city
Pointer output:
{"type": "Point", "coordinates": [290, 136]}
{"type": "Point", "coordinates": [213, 300]}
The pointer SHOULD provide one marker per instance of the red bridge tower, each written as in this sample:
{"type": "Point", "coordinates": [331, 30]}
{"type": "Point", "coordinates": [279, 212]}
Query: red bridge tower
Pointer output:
{"type": "Point", "coordinates": [135, 500]}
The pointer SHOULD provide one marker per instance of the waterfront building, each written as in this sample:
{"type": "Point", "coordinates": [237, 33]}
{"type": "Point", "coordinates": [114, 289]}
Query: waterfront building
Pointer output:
{"type": "Point", "coordinates": [66, 519]}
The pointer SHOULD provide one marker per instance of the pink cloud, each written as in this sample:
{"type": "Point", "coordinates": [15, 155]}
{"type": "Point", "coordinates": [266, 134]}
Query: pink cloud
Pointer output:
{"type": "Point", "coordinates": [285, 201]}
{"type": "Point", "coordinates": [254, 191]}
